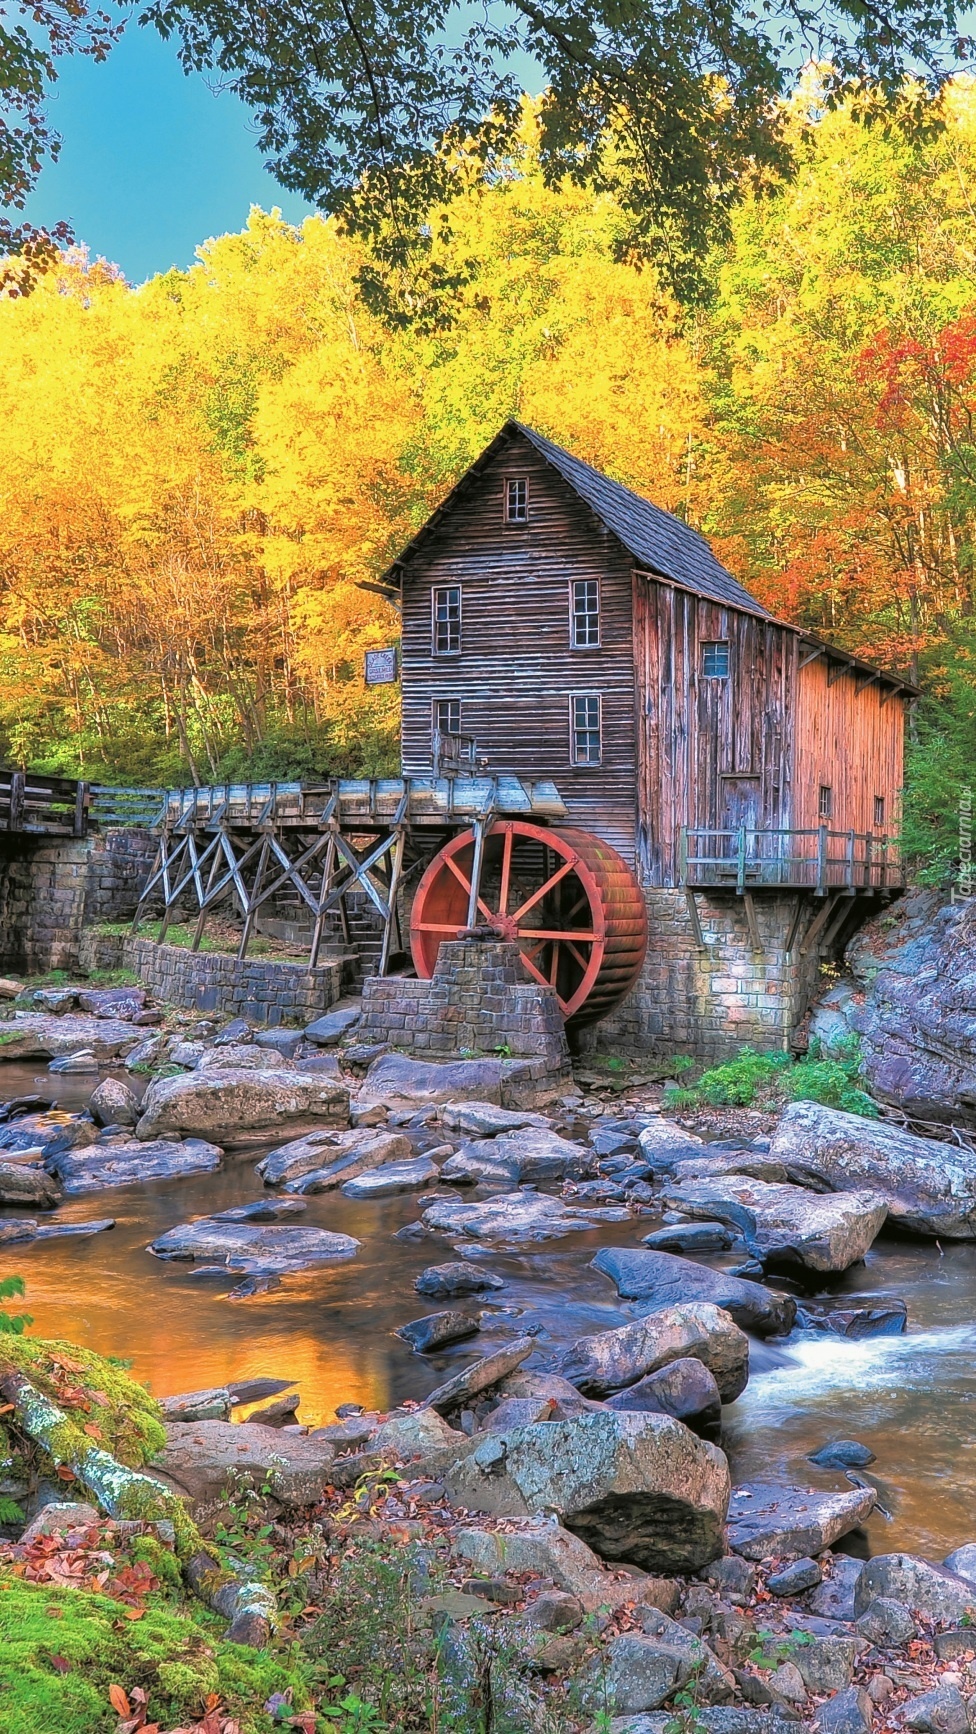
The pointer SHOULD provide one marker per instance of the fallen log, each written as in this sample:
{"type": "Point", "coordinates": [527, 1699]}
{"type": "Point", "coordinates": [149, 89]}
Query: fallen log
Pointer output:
{"type": "Point", "coordinates": [129, 1493]}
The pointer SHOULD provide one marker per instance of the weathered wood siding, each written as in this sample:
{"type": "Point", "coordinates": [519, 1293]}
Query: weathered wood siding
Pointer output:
{"type": "Point", "coordinates": [711, 752]}
{"type": "Point", "coordinates": [516, 668]}
{"type": "Point", "coordinates": [852, 741]}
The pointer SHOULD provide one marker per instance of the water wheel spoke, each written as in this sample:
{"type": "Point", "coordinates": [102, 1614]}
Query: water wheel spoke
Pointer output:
{"type": "Point", "coordinates": [436, 927]}
{"type": "Point", "coordinates": [530, 950]}
{"type": "Point", "coordinates": [581, 903]}
{"type": "Point", "coordinates": [506, 873]}
{"type": "Point", "coordinates": [537, 973]}
{"type": "Point", "coordinates": [466, 883]}
{"type": "Point", "coordinates": [550, 884]}
{"type": "Point", "coordinates": [583, 962]}
{"type": "Point", "coordinates": [554, 966]}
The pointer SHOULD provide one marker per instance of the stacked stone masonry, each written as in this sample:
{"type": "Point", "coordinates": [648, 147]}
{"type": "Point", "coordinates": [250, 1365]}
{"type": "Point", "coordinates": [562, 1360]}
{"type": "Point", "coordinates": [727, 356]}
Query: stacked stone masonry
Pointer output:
{"type": "Point", "coordinates": [481, 999]}
{"type": "Point", "coordinates": [264, 991]}
{"type": "Point", "coordinates": [51, 888]}
{"type": "Point", "coordinates": [713, 1000]}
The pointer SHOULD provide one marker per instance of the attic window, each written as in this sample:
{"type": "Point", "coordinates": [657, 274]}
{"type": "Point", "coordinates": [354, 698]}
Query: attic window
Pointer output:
{"type": "Point", "coordinates": [715, 659]}
{"type": "Point", "coordinates": [517, 500]}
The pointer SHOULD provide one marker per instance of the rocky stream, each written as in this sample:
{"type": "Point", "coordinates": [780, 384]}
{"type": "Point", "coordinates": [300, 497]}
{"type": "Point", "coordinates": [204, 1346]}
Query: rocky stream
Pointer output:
{"type": "Point", "coordinates": [568, 1326]}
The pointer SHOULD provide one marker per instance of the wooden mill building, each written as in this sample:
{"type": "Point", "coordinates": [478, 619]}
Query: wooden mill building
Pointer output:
{"type": "Point", "coordinates": [558, 626]}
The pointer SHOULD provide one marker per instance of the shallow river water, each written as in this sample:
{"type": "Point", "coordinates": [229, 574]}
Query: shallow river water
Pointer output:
{"type": "Point", "coordinates": [912, 1398]}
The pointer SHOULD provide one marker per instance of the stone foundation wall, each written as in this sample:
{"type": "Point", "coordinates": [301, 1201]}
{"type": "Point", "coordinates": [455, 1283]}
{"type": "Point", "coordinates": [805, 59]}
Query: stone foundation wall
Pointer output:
{"type": "Point", "coordinates": [711, 1001]}
{"type": "Point", "coordinates": [51, 888]}
{"type": "Point", "coordinates": [261, 989]}
{"type": "Point", "coordinates": [481, 999]}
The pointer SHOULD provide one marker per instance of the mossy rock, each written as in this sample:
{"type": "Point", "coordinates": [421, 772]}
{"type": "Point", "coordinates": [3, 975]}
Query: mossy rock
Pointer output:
{"type": "Point", "coordinates": [127, 1417]}
{"type": "Point", "coordinates": [61, 1650]}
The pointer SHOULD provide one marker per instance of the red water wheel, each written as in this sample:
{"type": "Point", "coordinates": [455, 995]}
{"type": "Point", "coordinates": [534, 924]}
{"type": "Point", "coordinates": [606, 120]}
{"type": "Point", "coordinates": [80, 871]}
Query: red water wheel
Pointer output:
{"type": "Point", "coordinates": [566, 896]}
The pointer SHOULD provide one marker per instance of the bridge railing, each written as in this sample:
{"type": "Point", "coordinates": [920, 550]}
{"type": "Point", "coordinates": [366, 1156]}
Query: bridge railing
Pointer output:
{"type": "Point", "coordinates": [45, 806]}
{"type": "Point", "coordinates": [142, 808]}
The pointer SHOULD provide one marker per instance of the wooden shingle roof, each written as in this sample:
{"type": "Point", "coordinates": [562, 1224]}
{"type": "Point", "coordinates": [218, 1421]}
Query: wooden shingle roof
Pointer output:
{"type": "Point", "coordinates": [663, 545]}
{"type": "Point", "coordinates": [659, 541]}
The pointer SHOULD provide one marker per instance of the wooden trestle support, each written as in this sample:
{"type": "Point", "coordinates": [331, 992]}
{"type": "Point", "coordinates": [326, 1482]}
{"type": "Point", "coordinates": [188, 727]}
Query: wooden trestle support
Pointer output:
{"type": "Point", "coordinates": [245, 844]}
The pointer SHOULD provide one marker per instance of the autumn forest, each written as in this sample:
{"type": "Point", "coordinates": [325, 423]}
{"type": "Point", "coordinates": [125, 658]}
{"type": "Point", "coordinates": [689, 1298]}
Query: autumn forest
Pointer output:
{"type": "Point", "coordinates": [197, 475]}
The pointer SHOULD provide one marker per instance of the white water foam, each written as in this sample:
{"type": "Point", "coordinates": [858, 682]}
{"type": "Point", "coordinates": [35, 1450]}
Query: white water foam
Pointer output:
{"type": "Point", "coordinates": [816, 1364]}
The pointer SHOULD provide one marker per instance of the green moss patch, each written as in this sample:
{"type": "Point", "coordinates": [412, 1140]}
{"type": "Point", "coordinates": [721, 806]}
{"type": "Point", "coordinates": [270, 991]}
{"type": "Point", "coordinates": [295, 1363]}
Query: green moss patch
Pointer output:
{"type": "Point", "coordinates": [95, 1392]}
{"type": "Point", "coordinates": [61, 1650]}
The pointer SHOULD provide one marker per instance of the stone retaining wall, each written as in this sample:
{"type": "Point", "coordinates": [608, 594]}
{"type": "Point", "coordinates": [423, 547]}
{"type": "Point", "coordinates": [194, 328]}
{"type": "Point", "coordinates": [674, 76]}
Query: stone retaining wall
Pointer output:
{"type": "Point", "coordinates": [263, 990]}
{"type": "Point", "coordinates": [481, 999]}
{"type": "Point", "coordinates": [712, 1001]}
{"type": "Point", "coordinates": [51, 888]}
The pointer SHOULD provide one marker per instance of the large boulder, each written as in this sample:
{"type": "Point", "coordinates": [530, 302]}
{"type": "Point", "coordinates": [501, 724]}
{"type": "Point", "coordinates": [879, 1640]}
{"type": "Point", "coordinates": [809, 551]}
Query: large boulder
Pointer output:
{"type": "Point", "coordinates": [210, 1460]}
{"type": "Point", "coordinates": [634, 1487]}
{"type": "Point", "coordinates": [442, 1280]}
{"type": "Point", "coordinates": [767, 1521]}
{"type": "Point", "coordinates": [397, 1081]}
{"type": "Point", "coordinates": [43, 1035]}
{"type": "Point", "coordinates": [516, 1217]}
{"type": "Point", "coordinates": [911, 1001]}
{"type": "Point", "coordinates": [240, 1108]}
{"type": "Point", "coordinates": [112, 1002]}
{"type": "Point", "coordinates": [792, 1226]}
{"type": "Point", "coordinates": [661, 1279]}
{"type": "Point", "coordinates": [127, 1162]}
{"type": "Point", "coordinates": [929, 1187]}
{"type": "Point", "coordinates": [246, 1246]}
{"type": "Point", "coordinates": [684, 1388]}
{"type": "Point", "coordinates": [529, 1153]}
{"type": "Point", "coordinates": [46, 1132]}
{"type": "Point", "coordinates": [613, 1360]}
{"type": "Point", "coordinates": [114, 1104]}
{"type": "Point", "coordinates": [487, 1120]}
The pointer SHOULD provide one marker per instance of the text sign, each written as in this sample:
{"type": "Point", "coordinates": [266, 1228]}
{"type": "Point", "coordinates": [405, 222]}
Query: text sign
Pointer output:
{"type": "Point", "coordinates": [381, 667]}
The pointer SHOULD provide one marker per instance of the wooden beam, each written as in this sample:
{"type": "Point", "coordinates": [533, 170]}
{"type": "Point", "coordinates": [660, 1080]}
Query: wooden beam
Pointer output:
{"type": "Point", "coordinates": [754, 934]}
{"type": "Point", "coordinates": [866, 680]}
{"type": "Point", "coordinates": [818, 923]}
{"type": "Point", "coordinates": [835, 669]}
{"type": "Point", "coordinates": [889, 693]}
{"type": "Point", "coordinates": [846, 905]}
{"type": "Point", "coordinates": [795, 925]}
{"type": "Point", "coordinates": [694, 917]}
{"type": "Point", "coordinates": [812, 654]}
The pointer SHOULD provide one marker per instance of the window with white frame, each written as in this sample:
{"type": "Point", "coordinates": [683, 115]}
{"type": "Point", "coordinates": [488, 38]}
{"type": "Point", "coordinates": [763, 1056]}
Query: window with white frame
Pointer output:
{"type": "Point", "coordinates": [715, 659]}
{"type": "Point", "coordinates": [517, 500]}
{"type": "Point", "coordinates": [585, 616]}
{"type": "Point", "coordinates": [447, 716]}
{"type": "Point", "coordinates": [446, 626]}
{"type": "Point", "coordinates": [586, 728]}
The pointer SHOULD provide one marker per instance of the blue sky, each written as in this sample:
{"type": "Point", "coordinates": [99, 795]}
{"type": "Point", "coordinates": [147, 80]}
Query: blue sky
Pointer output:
{"type": "Point", "coordinates": [152, 163]}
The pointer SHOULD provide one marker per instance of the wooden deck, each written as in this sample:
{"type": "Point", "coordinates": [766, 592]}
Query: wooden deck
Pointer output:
{"type": "Point", "coordinates": [818, 860]}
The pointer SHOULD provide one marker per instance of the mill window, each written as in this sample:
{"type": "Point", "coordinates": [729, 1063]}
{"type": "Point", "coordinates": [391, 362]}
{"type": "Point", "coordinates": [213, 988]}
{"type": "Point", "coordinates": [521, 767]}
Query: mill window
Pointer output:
{"type": "Point", "coordinates": [715, 659]}
{"type": "Point", "coordinates": [447, 619]}
{"type": "Point", "coordinates": [585, 622]}
{"type": "Point", "coordinates": [586, 726]}
{"type": "Point", "coordinates": [447, 716]}
{"type": "Point", "coordinates": [879, 810]}
{"type": "Point", "coordinates": [517, 500]}
{"type": "Point", "coordinates": [826, 804]}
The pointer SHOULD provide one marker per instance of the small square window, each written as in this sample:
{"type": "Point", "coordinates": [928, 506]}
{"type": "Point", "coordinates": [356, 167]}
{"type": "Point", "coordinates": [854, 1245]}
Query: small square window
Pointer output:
{"type": "Point", "coordinates": [517, 500]}
{"type": "Point", "coordinates": [447, 716]}
{"type": "Point", "coordinates": [447, 619]}
{"type": "Point", "coordinates": [585, 622]}
{"type": "Point", "coordinates": [715, 659]}
{"type": "Point", "coordinates": [826, 804]}
{"type": "Point", "coordinates": [879, 809]}
{"type": "Point", "coordinates": [587, 729]}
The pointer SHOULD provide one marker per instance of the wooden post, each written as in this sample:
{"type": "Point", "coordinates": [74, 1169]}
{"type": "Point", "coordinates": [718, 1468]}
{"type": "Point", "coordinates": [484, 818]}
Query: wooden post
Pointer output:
{"type": "Point", "coordinates": [476, 862]}
{"type": "Point", "coordinates": [741, 869]}
{"type": "Point", "coordinates": [253, 899]}
{"type": "Point", "coordinates": [795, 925]}
{"type": "Point", "coordinates": [850, 860]}
{"type": "Point", "coordinates": [683, 863]}
{"type": "Point", "coordinates": [821, 861]}
{"type": "Point", "coordinates": [754, 933]}
{"type": "Point", "coordinates": [395, 872]}
{"type": "Point", "coordinates": [18, 796]}
{"type": "Point", "coordinates": [81, 810]}
{"type": "Point", "coordinates": [819, 921]}
{"type": "Point", "coordinates": [694, 917]}
{"type": "Point", "coordinates": [868, 860]}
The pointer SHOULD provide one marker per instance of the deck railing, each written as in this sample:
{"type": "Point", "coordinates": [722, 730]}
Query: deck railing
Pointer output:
{"type": "Point", "coordinates": [817, 859]}
{"type": "Point", "coordinates": [42, 806]}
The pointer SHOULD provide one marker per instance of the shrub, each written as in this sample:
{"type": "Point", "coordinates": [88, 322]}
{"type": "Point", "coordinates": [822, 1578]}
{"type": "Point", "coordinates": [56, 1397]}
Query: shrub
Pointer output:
{"type": "Point", "coordinates": [772, 1078]}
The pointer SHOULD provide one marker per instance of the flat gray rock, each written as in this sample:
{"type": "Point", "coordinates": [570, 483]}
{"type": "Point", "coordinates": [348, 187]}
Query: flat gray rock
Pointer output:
{"type": "Point", "coordinates": [929, 1187]}
{"type": "Point", "coordinates": [128, 1162]}
{"type": "Point", "coordinates": [487, 1120]}
{"type": "Point", "coordinates": [441, 1280]}
{"type": "Point", "coordinates": [21, 1183]}
{"type": "Point", "coordinates": [392, 1179]}
{"type": "Point", "coordinates": [767, 1520]}
{"type": "Point", "coordinates": [328, 1152]}
{"type": "Point", "coordinates": [241, 1246]}
{"type": "Point", "coordinates": [27, 1228]}
{"type": "Point", "coordinates": [527, 1153]}
{"type": "Point", "coordinates": [662, 1143]}
{"type": "Point", "coordinates": [824, 1232]}
{"type": "Point", "coordinates": [203, 1458]}
{"type": "Point", "coordinates": [329, 1029]}
{"type": "Point", "coordinates": [396, 1081]}
{"type": "Point", "coordinates": [660, 1279]}
{"type": "Point", "coordinates": [517, 1217]}
{"type": "Point", "coordinates": [480, 1375]}
{"type": "Point", "coordinates": [689, 1237]}
{"type": "Point", "coordinates": [436, 1330]}
{"type": "Point", "coordinates": [43, 1035]}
